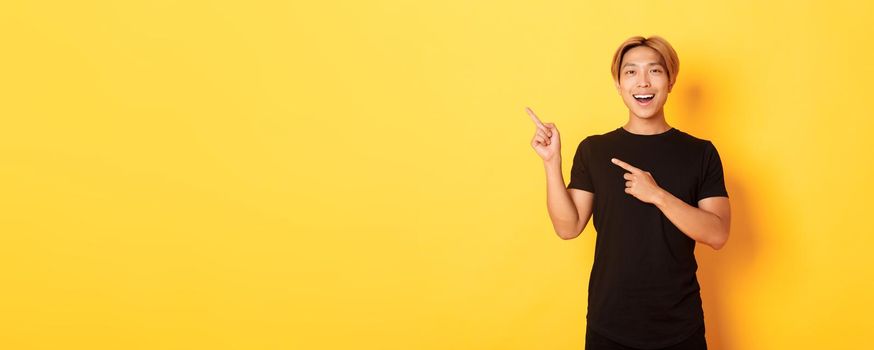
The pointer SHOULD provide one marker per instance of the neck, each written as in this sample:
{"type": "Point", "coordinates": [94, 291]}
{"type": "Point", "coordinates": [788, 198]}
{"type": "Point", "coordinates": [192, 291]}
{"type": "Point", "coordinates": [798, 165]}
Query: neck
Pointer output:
{"type": "Point", "coordinates": [647, 126]}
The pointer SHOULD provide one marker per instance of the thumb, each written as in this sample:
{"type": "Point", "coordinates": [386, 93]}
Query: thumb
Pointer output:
{"type": "Point", "coordinates": [551, 127]}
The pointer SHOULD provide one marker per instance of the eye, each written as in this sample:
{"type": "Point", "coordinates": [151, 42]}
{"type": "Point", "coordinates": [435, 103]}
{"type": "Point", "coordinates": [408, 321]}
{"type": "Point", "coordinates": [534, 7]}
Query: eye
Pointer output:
{"type": "Point", "coordinates": [657, 70]}
{"type": "Point", "coordinates": [628, 71]}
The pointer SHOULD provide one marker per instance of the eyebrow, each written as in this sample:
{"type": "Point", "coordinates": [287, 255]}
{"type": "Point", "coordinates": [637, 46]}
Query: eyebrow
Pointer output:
{"type": "Point", "coordinates": [632, 64]}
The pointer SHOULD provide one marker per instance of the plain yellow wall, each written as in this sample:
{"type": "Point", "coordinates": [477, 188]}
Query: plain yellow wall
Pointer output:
{"type": "Point", "coordinates": [358, 175]}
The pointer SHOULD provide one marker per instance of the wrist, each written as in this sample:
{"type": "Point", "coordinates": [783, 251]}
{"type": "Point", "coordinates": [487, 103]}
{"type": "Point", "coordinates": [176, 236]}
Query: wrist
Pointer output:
{"type": "Point", "coordinates": [661, 198]}
{"type": "Point", "coordinates": [553, 164]}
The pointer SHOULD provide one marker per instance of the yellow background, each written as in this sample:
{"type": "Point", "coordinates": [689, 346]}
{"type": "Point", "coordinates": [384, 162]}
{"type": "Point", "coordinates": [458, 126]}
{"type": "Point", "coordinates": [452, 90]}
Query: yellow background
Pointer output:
{"type": "Point", "coordinates": [358, 175]}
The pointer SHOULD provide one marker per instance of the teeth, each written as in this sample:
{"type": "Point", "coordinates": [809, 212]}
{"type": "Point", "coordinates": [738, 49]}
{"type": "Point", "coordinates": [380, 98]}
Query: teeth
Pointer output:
{"type": "Point", "coordinates": [643, 96]}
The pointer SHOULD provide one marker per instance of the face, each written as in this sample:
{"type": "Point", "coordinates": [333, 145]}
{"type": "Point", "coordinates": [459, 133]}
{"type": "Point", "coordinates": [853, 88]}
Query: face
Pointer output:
{"type": "Point", "coordinates": [642, 73]}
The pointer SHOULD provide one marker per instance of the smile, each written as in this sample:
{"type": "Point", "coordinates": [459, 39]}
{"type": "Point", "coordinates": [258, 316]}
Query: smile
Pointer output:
{"type": "Point", "coordinates": [644, 100]}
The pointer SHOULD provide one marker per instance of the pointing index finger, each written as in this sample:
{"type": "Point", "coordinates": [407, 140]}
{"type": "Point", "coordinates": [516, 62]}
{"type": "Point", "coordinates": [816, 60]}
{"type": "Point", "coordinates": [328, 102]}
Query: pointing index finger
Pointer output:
{"type": "Point", "coordinates": [534, 118]}
{"type": "Point", "coordinates": [625, 165]}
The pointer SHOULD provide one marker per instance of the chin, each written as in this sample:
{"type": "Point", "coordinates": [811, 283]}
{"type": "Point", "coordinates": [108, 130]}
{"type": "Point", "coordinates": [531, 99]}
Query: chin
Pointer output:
{"type": "Point", "coordinates": [645, 114]}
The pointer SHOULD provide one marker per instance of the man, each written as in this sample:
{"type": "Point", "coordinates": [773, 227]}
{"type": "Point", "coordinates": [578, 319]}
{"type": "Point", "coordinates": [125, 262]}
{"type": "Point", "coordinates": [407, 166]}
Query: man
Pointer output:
{"type": "Point", "coordinates": [653, 191]}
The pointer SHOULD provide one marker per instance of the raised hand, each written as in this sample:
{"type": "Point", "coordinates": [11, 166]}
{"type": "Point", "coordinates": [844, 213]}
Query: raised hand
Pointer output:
{"type": "Point", "coordinates": [639, 184]}
{"type": "Point", "coordinates": [546, 141]}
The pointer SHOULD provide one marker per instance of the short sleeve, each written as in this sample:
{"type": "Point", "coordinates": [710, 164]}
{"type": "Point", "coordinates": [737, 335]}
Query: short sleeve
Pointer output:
{"type": "Point", "coordinates": [712, 182]}
{"type": "Point", "coordinates": [580, 176]}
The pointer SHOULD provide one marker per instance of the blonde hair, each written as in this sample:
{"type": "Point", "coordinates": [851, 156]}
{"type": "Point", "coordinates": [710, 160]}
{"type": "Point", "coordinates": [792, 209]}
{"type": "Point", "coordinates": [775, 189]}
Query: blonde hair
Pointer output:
{"type": "Point", "coordinates": [662, 46]}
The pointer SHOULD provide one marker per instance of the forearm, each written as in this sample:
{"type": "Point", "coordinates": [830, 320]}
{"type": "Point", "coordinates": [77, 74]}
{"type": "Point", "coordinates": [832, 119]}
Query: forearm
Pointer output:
{"type": "Point", "coordinates": [699, 224]}
{"type": "Point", "coordinates": [562, 211]}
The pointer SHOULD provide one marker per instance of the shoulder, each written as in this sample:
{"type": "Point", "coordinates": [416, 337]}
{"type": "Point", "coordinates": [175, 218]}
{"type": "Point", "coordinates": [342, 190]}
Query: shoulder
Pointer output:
{"type": "Point", "coordinates": [701, 149]}
{"type": "Point", "coordinates": [599, 138]}
{"type": "Point", "coordinates": [588, 143]}
{"type": "Point", "coordinates": [695, 141]}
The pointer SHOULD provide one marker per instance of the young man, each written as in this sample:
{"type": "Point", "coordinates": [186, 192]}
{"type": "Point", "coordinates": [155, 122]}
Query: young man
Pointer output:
{"type": "Point", "coordinates": [654, 191]}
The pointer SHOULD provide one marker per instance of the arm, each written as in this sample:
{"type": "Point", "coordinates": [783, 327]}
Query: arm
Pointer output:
{"type": "Point", "coordinates": [569, 209]}
{"type": "Point", "coordinates": [709, 223]}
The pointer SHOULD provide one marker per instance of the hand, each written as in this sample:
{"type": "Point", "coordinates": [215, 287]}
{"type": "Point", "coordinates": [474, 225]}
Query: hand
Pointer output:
{"type": "Point", "coordinates": [640, 183]}
{"type": "Point", "coordinates": [546, 141]}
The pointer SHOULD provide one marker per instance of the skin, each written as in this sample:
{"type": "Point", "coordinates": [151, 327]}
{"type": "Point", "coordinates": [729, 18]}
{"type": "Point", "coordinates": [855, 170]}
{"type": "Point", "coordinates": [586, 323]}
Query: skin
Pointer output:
{"type": "Point", "coordinates": [642, 71]}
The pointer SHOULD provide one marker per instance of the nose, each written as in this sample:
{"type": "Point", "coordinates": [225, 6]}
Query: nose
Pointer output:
{"type": "Point", "coordinates": [644, 80]}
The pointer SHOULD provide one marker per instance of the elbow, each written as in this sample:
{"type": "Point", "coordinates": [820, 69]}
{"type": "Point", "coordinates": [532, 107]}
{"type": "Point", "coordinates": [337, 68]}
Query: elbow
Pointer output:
{"type": "Point", "coordinates": [567, 236]}
{"type": "Point", "coordinates": [718, 243]}
{"type": "Point", "coordinates": [569, 229]}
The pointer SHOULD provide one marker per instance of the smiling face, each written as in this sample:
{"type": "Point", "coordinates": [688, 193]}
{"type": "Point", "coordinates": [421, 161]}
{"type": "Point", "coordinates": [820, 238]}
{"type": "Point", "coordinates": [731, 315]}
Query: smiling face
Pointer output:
{"type": "Point", "coordinates": [643, 82]}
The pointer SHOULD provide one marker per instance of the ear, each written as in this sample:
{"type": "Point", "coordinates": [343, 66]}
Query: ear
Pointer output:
{"type": "Point", "coordinates": [671, 86]}
{"type": "Point", "coordinates": [616, 82]}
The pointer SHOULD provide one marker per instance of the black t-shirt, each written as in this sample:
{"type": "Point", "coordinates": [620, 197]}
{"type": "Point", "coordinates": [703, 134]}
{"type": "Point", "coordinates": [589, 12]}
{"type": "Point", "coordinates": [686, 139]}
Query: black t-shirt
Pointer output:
{"type": "Point", "coordinates": [643, 291]}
